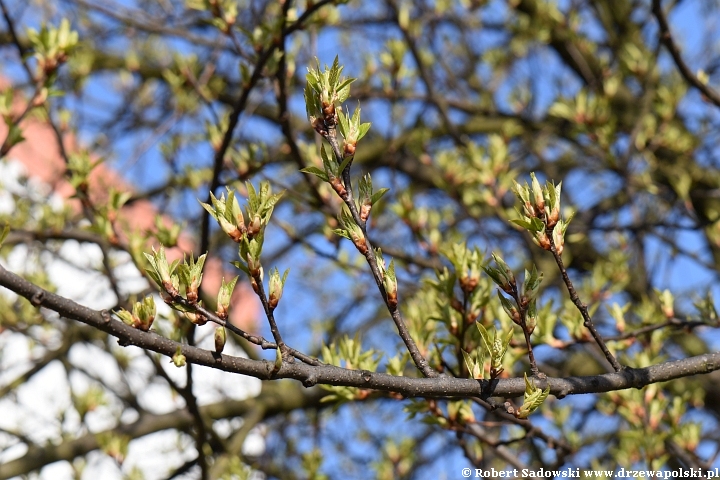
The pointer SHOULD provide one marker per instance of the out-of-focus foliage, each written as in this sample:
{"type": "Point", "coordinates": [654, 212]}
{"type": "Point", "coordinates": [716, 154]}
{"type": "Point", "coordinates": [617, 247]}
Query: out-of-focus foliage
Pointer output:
{"type": "Point", "coordinates": [527, 177]}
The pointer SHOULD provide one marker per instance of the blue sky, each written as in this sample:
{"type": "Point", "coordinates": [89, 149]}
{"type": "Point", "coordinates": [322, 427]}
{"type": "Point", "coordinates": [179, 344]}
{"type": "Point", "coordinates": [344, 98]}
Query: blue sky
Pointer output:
{"type": "Point", "coordinates": [298, 309]}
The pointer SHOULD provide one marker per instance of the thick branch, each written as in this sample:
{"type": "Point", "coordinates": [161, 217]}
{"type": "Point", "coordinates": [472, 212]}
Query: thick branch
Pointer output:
{"type": "Point", "coordinates": [445, 387]}
{"type": "Point", "coordinates": [275, 398]}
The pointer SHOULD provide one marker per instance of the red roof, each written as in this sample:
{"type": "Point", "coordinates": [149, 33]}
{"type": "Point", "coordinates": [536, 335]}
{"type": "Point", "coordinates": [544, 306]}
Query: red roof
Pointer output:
{"type": "Point", "coordinates": [41, 157]}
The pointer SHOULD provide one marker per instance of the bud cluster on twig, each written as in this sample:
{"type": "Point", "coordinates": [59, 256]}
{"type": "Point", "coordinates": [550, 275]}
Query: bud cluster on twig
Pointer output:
{"type": "Point", "coordinates": [540, 213]}
{"type": "Point", "coordinates": [325, 91]}
{"type": "Point", "coordinates": [521, 307]}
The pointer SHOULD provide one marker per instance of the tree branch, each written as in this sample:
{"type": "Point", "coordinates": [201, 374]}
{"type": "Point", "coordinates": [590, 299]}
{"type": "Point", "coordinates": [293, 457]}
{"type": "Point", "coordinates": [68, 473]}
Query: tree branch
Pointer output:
{"type": "Point", "coordinates": [667, 39]}
{"type": "Point", "coordinates": [420, 361]}
{"type": "Point", "coordinates": [238, 108]}
{"type": "Point", "coordinates": [443, 387]}
{"type": "Point", "coordinates": [587, 321]}
{"type": "Point", "coordinates": [276, 398]}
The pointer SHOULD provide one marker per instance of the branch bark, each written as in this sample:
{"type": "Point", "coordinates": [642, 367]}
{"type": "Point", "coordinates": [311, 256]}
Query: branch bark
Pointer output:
{"type": "Point", "coordinates": [667, 39]}
{"type": "Point", "coordinates": [239, 107]}
{"type": "Point", "coordinates": [275, 398]}
{"type": "Point", "coordinates": [438, 387]}
{"type": "Point", "coordinates": [582, 308]}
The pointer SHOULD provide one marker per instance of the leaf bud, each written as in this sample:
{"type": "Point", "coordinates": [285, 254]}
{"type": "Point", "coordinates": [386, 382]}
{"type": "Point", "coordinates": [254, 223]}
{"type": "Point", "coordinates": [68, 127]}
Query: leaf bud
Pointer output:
{"type": "Point", "coordinates": [220, 338]}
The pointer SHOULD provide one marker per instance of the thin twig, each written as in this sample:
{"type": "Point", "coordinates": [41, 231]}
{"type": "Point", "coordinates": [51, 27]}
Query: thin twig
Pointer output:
{"type": "Point", "coordinates": [5, 147]}
{"type": "Point", "coordinates": [142, 21]}
{"type": "Point", "coordinates": [675, 323]}
{"type": "Point", "coordinates": [187, 393]}
{"type": "Point", "coordinates": [523, 309]}
{"type": "Point", "coordinates": [587, 321]}
{"type": "Point", "coordinates": [254, 339]}
{"type": "Point", "coordinates": [270, 314]}
{"type": "Point", "coordinates": [500, 450]}
{"type": "Point", "coordinates": [438, 102]}
{"type": "Point", "coordinates": [16, 40]}
{"type": "Point", "coordinates": [238, 108]}
{"type": "Point", "coordinates": [369, 253]}
{"type": "Point", "coordinates": [530, 429]}
{"type": "Point", "coordinates": [667, 39]}
{"type": "Point", "coordinates": [285, 125]}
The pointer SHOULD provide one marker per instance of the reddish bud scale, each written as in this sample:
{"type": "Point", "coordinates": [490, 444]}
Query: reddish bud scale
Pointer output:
{"type": "Point", "coordinates": [319, 125]}
{"type": "Point", "coordinates": [220, 337]}
{"type": "Point", "coordinates": [553, 218]}
{"type": "Point", "coordinates": [170, 289]}
{"type": "Point", "coordinates": [524, 301]}
{"type": "Point", "coordinates": [544, 241]}
{"type": "Point", "coordinates": [392, 299]}
{"type": "Point", "coordinates": [254, 269]}
{"type": "Point", "coordinates": [468, 284]}
{"type": "Point", "coordinates": [328, 109]}
{"type": "Point", "coordinates": [144, 326]}
{"type": "Point", "coordinates": [236, 235]}
{"type": "Point", "coordinates": [331, 120]}
{"type": "Point", "coordinates": [222, 312]}
{"type": "Point", "coordinates": [136, 323]}
{"type": "Point", "coordinates": [254, 285]}
{"type": "Point", "coordinates": [254, 227]}
{"type": "Point", "coordinates": [196, 318]}
{"type": "Point", "coordinates": [273, 301]}
{"type": "Point", "coordinates": [362, 247]}
{"type": "Point", "coordinates": [530, 209]}
{"type": "Point", "coordinates": [192, 293]}
{"type": "Point", "coordinates": [349, 149]}
{"type": "Point", "coordinates": [363, 394]}
{"type": "Point", "coordinates": [50, 66]}
{"type": "Point", "coordinates": [337, 185]}
{"type": "Point", "coordinates": [365, 212]}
